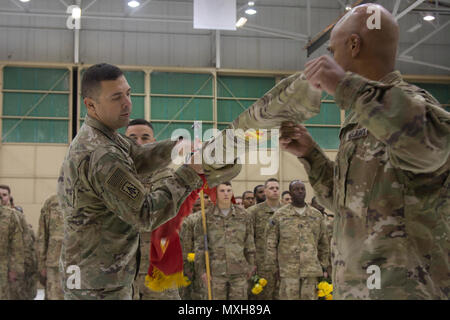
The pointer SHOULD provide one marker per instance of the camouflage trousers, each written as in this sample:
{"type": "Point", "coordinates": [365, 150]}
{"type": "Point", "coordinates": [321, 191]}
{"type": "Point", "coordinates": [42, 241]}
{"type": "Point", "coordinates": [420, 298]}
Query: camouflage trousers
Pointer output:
{"type": "Point", "coordinates": [232, 287]}
{"type": "Point", "coordinates": [270, 291]}
{"type": "Point", "coordinates": [119, 293]}
{"type": "Point", "coordinates": [141, 292]}
{"type": "Point", "coordinates": [53, 285]}
{"type": "Point", "coordinates": [195, 291]}
{"type": "Point", "coordinates": [298, 289]}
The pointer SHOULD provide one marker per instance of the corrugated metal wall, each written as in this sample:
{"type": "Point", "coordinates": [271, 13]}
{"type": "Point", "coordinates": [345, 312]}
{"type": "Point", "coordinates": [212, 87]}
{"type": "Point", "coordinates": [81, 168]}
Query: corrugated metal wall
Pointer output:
{"type": "Point", "coordinates": [129, 42]}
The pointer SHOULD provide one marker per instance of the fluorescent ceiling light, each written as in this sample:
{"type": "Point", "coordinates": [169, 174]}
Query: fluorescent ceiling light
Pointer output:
{"type": "Point", "coordinates": [250, 11]}
{"type": "Point", "coordinates": [76, 13]}
{"type": "Point", "coordinates": [251, 3]}
{"type": "Point", "coordinates": [429, 17]}
{"type": "Point", "coordinates": [348, 8]}
{"type": "Point", "coordinates": [24, 0]}
{"type": "Point", "coordinates": [241, 22]}
{"type": "Point", "coordinates": [133, 4]}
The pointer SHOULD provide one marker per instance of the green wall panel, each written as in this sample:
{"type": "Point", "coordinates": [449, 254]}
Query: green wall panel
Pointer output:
{"type": "Point", "coordinates": [35, 78]}
{"type": "Point", "coordinates": [327, 138]}
{"type": "Point", "coordinates": [162, 132]}
{"type": "Point", "coordinates": [244, 87]}
{"type": "Point", "coordinates": [136, 80]}
{"type": "Point", "coordinates": [181, 83]}
{"type": "Point", "coordinates": [35, 131]}
{"type": "Point", "coordinates": [18, 104]}
{"type": "Point", "coordinates": [166, 108]}
{"type": "Point", "coordinates": [228, 110]}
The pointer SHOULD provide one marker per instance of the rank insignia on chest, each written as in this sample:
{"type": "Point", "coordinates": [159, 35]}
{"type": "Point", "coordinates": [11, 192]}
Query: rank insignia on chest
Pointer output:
{"type": "Point", "coordinates": [357, 133]}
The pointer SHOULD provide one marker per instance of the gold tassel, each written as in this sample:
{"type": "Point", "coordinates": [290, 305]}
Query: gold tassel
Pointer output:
{"type": "Point", "coordinates": [160, 282]}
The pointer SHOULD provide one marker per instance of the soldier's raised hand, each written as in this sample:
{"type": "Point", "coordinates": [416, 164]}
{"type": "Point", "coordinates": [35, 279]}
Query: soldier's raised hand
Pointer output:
{"type": "Point", "coordinates": [324, 73]}
{"type": "Point", "coordinates": [294, 138]}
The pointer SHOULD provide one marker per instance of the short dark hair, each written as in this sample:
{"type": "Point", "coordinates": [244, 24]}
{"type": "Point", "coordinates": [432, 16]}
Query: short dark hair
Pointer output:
{"type": "Point", "coordinates": [294, 181]}
{"type": "Point", "coordinates": [4, 186]}
{"type": "Point", "coordinates": [285, 192]}
{"type": "Point", "coordinates": [270, 180]}
{"type": "Point", "coordinates": [90, 83]}
{"type": "Point", "coordinates": [136, 122]}
{"type": "Point", "coordinates": [227, 183]}
{"type": "Point", "coordinates": [245, 192]}
{"type": "Point", "coordinates": [256, 188]}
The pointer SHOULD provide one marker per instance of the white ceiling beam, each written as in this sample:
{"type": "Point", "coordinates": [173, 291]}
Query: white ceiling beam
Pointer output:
{"type": "Point", "coordinates": [18, 5]}
{"type": "Point", "coordinates": [139, 8]}
{"type": "Point", "coordinates": [404, 12]}
{"type": "Point", "coordinates": [89, 5]}
{"type": "Point", "coordinates": [422, 63]}
{"type": "Point", "coordinates": [396, 6]}
{"type": "Point", "coordinates": [424, 38]}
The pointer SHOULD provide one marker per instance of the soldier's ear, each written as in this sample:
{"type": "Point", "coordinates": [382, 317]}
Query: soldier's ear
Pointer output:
{"type": "Point", "coordinates": [355, 45]}
{"type": "Point", "coordinates": [89, 103]}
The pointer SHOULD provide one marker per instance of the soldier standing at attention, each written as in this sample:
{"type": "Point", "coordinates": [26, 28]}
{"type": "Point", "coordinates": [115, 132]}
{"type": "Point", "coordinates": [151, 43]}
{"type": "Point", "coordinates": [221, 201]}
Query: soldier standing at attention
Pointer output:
{"type": "Point", "coordinates": [231, 247]}
{"type": "Point", "coordinates": [12, 264]}
{"type": "Point", "coordinates": [26, 289]}
{"type": "Point", "coordinates": [389, 186]}
{"type": "Point", "coordinates": [49, 241]}
{"type": "Point", "coordinates": [260, 215]}
{"type": "Point", "coordinates": [286, 197]}
{"type": "Point", "coordinates": [141, 131]}
{"type": "Point", "coordinates": [258, 191]}
{"type": "Point", "coordinates": [248, 199]}
{"type": "Point", "coordinates": [104, 203]}
{"type": "Point", "coordinates": [297, 247]}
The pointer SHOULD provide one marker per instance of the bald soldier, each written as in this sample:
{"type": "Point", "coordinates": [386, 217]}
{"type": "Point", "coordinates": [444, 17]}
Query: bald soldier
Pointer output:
{"type": "Point", "coordinates": [49, 242]}
{"type": "Point", "coordinates": [104, 203]}
{"type": "Point", "coordinates": [389, 186]}
{"type": "Point", "coordinates": [141, 131]}
{"type": "Point", "coordinates": [297, 247]}
{"type": "Point", "coordinates": [260, 215]}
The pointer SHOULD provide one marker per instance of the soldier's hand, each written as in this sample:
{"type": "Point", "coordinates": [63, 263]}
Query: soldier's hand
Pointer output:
{"type": "Point", "coordinates": [43, 277]}
{"type": "Point", "coordinates": [12, 276]}
{"type": "Point", "coordinates": [205, 279]}
{"type": "Point", "coordinates": [324, 73]}
{"type": "Point", "coordinates": [294, 138]}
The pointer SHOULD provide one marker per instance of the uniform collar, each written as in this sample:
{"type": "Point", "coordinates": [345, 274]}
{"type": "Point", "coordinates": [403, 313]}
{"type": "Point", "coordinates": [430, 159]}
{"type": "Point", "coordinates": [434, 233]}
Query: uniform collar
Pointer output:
{"type": "Point", "coordinates": [94, 123]}
{"type": "Point", "coordinates": [267, 208]}
{"type": "Point", "coordinates": [217, 211]}
{"type": "Point", "coordinates": [293, 210]}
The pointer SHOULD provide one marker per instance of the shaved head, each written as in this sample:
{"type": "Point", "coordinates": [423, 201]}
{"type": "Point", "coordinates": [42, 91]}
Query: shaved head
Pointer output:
{"type": "Point", "coordinates": [365, 41]}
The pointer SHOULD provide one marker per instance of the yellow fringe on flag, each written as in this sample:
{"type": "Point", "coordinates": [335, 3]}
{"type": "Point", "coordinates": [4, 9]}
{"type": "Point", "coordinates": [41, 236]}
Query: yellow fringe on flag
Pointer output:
{"type": "Point", "coordinates": [159, 281]}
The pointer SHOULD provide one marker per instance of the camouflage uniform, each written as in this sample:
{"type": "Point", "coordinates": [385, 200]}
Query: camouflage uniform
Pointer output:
{"type": "Point", "coordinates": [105, 206]}
{"type": "Point", "coordinates": [297, 248]}
{"type": "Point", "coordinates": [141, 291]}
{"type": "Point", "coordinates": [27, 288]}
{"type": "Point", "coordinates": [50, 237]}
{"type": "Point", "coordinates": [389, 188]}
{"type": "Point", "coordinates": [260, 215]}
{"type": "Point", "coordinates": [231, 251]}
{"type": "Point", "coordinates": [196, 290]}
{"type": "Point", "coordinates": [11, 253]}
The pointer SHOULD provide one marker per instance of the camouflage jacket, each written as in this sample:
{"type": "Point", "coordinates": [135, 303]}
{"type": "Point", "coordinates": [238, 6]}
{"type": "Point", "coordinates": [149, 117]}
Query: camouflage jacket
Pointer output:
{"type": "Point", "coordinates": [260, 214]}
{"type": "Point", "coordinates": [50, 234]}
{"type": "Point", "coordinates": [389, 188]}
{"type": "Point", "coordinates": [230, 242]}
{"type": "Point", "coordinates": [105, 205]}
{"type": "Point", "coordinates": [297, 244]}
{"type": "Point", "coordinates": [11, 252]}
{"type": "Point", "coordinates": [187, 233]}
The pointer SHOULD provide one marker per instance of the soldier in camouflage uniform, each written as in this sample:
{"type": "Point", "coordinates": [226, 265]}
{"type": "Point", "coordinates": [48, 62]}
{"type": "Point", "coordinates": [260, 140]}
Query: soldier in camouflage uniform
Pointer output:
{"type": "Point", "coordinates": [104, 203]}
{"type": "Point", "coordinates": [260, 215]}
{"type": "Point", "coordinates": [27, 287]}
{"type": "Point", "coordinates": [49, 241]}
{"type": "Point", "coordinates": [12, 264]}
{"type": "Point", "coordinates": [297, 247]}
{"type": "Point", "coordinates": [141, 131]}
{"type": "Point", "coordinates": [329, 218]}
{"type": "Point", "coordinates": [231, 247]}
{"type": "Point", "coordinates": [389, 186]}
{"type": "Point", "coordinates": [196, 290]}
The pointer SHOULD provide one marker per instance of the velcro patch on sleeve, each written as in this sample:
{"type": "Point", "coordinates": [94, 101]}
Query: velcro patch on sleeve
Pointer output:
{"type": "Point", "coordinates": [126, 186]}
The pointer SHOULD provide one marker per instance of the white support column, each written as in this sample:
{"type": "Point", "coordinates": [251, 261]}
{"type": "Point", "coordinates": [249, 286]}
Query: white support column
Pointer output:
{"type": "Point", "coordinates": [76, 46]}
{"type": "Point", "coordinates": [403, 54]}
{"type": "Point", "coordinates": [218, 65]}
{"type": "Point", "coordinates": [396, 6]}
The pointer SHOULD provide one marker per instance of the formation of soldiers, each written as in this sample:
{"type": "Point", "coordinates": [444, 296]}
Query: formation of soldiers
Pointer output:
{"type": "Point", "coordinates": [388, 188]}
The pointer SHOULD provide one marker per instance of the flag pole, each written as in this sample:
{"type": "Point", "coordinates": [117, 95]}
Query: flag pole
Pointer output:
{"type": "Point", "coordinates": [205, 235]}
